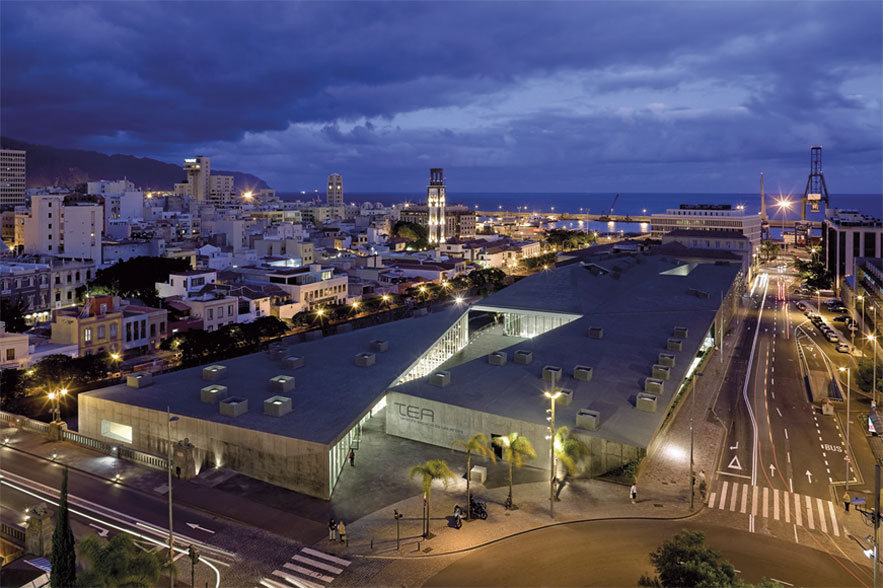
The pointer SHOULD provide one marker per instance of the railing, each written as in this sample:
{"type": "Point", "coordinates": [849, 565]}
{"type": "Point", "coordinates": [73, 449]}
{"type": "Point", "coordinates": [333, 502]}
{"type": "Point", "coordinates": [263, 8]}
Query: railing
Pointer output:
{"type": "Point", "coordinates": [127, 453]}
{"type": "Point", "coordinates": [12, 532]}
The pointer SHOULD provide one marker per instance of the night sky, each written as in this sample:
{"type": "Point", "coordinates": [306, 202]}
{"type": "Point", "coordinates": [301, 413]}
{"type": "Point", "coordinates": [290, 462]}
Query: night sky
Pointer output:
{"type": "Point", "coordinates": [507, 96]}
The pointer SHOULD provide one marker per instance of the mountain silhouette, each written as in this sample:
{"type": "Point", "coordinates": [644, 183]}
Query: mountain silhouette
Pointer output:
{"type": "Point", "coordinates": [48, 166]}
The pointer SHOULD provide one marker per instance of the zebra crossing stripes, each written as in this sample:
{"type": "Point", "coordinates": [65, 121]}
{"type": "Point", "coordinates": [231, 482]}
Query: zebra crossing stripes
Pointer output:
{"type": "Point", "coordinates": [775, 504]}
{"type": "Point", "coordinates": [309, 568]}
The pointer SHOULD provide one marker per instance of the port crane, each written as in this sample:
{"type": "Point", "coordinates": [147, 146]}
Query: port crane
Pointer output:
{"type": "Point", "coordinates": [609, 214]}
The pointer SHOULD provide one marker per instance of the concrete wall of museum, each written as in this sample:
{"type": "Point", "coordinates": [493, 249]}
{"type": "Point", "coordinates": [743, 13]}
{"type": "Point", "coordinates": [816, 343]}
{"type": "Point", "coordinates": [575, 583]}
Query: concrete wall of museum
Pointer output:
{"type": "Point", "coordinates": [295, 464]}
{"type": "Point", "coordinates": [441, 424]}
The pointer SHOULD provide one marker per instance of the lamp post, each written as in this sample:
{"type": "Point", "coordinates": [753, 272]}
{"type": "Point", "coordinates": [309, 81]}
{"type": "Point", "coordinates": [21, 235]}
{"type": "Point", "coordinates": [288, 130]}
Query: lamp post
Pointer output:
{"type": "Point", "coordinates": [783, 206]}
{"type": "Point", "coordinates": [552, 396]}
{"type": "Point", "coordinates": [873, 338]}
{"type": "Point", "coordinates": [846, 457]}
{"type": "Point", "coordinates": [861, 299]}
{"type": "Point", "coordinates": [171, 530]}
{"type": "Point", "coordinates": [692, 413]}
{"type": "Point", "coordinates": [55, 398]}
{"type": "Point", "coordinates": [818, 300]}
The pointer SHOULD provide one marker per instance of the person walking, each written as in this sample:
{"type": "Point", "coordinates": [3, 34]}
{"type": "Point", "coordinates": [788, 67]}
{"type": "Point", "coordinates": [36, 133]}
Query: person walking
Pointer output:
{"type": "Point", "coordinates": [633, 492]}
{"type": "Point", "coordinates": [332, 530]}
{"type": "Point", "coordinates": [352, 458]}
{"type": "Point", "coordinates": [341, 531]}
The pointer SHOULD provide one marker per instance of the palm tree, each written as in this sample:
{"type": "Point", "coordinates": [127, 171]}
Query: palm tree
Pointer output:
{"type": "Point", "coordinates": [769, 248]}
{"type": "Point", "coordinates": [515, 450]}
{"type": "Point", "coordinates": [569, 450]}
{"type": "Point", "coordinates": [118, 562]}
{"type": "Point", "coordinates": [477, 444]}
{"type": "Point", "coordinates": [433, 469]}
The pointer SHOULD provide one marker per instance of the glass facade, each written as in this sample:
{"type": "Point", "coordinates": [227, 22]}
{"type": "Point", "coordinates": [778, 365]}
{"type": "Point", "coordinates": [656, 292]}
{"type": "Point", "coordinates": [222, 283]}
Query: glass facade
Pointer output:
{"type": "Point", "coordinates": [447, 345]}
{"type": "Point", "coordinates": [533, 324]}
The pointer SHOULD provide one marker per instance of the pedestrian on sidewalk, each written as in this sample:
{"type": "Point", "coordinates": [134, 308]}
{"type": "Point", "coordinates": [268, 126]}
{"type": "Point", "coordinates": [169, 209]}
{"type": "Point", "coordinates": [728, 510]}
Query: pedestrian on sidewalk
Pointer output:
{"type": "Point", "coordinates": [561, 484]}
{"type": "Point", "coordinates": [341, 530]}
{"type": "Point", "coordinates": [332, 529]}
{"type": "Point", "coordinates": [846, 501]}
{"type": "Point", "coordinates": [352, 458]}
{"type": "Point", "coordinates": [633, 492]}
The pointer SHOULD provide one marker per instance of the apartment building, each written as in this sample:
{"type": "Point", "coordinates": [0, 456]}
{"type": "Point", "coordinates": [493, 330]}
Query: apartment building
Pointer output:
{"type": "Point", "coordinates": [216, 310]}
{"type": "Point", "coordinates": [708, 217]}
{"type": "Point", "coordinates": [64, 228]}
{"type": "Point", "coordinates": [30, 283]}
{"type": "Point", "coordinates": [144, 328]}
{"type": "Point", "coordinates": [14, 349]}
{"type": "Point", "coordinates": [313, 286]}
{"type": "Point", "coordinates": [12, 178]}
{"type": "Point", "coordinates": [94, 328]}
{"type": "Point", "coordinates": [849, 235]}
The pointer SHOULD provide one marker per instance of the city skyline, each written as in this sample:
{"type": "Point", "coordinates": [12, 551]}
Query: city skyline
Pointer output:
{"type": "Point", "coordinates": [566, 97]}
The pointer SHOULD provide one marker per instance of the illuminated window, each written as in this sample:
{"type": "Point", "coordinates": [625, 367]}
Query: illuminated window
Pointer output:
{"type": "Point", "coordinates": [116, 431]}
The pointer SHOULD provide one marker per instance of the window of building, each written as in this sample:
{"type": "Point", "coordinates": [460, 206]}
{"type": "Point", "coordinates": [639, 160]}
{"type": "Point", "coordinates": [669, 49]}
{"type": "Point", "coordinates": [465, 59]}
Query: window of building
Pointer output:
{"type": "Point", "coordinates": [10, 354]}
{"type": "Point", "coordinates": [116, 431]}
{"type": "Point", "coordinates": [211, 314]}
{"type": "Point", "coordinates": [128, 332]}
{"type": "Point", "coordinates": [70, 295]}
{"type": "Point", "coordinates": [57, 296]}
{"type": "Point", "coordinates": [102, 331]}
{"type": "Point", "coordinates": [162, 327]}
{"type": "Point", "coordinates": [113, 330]}
{"type": "Point", "coordinates": [87, 335]}
{"type": "Point", "coordinates": [230, 310]}
{"type": "Point", "coordinates": [153, 329]}
{"type": "Point", "coordinates": [220, 312]}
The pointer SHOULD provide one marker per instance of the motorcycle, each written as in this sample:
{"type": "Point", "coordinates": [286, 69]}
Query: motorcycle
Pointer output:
{"type": "Point", "coordinates": [458, 516]}
{"type": "Point", "coordinates": [478, 509]}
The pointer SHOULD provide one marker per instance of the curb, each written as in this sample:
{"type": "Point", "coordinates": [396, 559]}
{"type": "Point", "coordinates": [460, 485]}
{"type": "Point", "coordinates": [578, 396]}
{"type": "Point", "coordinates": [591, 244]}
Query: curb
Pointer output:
{"type": "Point", "coordinates": [526, 531]}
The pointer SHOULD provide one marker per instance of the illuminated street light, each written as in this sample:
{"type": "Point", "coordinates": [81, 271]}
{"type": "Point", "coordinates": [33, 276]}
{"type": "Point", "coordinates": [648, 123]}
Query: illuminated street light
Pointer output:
{"type": "Point", "coordinates": [55, 400]}
{"type": "Point", "coordinates": [458, 299]}
{"type": "Point", "coordinates": [247, 195]}
{"type": "Point", "coordinates": [846, 451]}
{"type": "Point", "coordinates": [552, 396]}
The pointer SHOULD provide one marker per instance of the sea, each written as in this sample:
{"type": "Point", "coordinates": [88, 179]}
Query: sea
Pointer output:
{"type": "Point", "coordinates": [635, 203]}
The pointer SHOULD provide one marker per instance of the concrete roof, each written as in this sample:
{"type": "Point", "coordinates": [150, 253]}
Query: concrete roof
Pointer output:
{"type": "Point", "coordinates": [637, 311]}
{"type": "Point", "coordinates": [330, 393]}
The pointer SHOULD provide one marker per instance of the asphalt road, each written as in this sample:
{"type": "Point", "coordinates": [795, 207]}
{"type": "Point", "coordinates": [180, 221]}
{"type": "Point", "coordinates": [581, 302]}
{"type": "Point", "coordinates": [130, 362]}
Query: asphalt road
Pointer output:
{"type": "Point", "coordinates": [615, 553]}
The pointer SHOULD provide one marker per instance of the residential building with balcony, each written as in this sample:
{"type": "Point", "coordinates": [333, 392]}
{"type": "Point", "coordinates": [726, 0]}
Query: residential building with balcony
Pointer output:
{"type": "Point", "coordinates": [94, 328]}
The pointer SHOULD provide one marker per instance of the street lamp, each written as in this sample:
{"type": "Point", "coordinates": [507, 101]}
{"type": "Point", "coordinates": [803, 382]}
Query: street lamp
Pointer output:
{"type": "Point", "coordinates": [783, 206]}
{"type": "Point", "coordinates": [692, 412]}
{"type": "Point", "coordinates": [818, 300]}
{"type": "Point", "coordinates": [846, 457]}
{"type": "Point", "coordinates": [55, 398]}
{"type": "Point", "coordinates": [873, 338]}
{"type": "Point", "coordinates": [552, 396]}
{"type": "Point", "coordinates": [171, 530]}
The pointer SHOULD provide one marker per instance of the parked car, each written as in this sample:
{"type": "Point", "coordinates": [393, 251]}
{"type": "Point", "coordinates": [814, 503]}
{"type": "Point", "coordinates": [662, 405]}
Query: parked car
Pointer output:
{"type": "Point", "coordinates": [801, 305]}
{"type": "Point", "coordinates": [842, 318]}
{"type": "Point", "coordinates": [843, 348]}
{"type": "Point", "coordinates": [832, 337]}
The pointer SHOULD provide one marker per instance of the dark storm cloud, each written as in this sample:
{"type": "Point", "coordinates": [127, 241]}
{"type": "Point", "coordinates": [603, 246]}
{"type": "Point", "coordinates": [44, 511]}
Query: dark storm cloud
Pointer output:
{"type": "Point", "coordinates": [380, 91]}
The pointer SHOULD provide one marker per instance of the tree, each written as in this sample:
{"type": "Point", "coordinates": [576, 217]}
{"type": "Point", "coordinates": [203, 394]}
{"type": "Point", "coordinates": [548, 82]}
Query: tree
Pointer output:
{"type": "Point", "coordinates": [569, 450]}
{"type": "Point", "coordinates": [516, 449]}
{"type": "Point", "coordinates": [412, 232]}
{"type": "Point", "coordinates": [434, 469]}
{"type": "Point", "coordinates": [546, 260]}
{"type": "Point", "coordinates": [118, 562]}
{"type": "Point", "coordinates": [564, 239]}
{"type": "Point", "coordinates": [13, 384]}
{"type": "Point", "coordinates": [864, 375]}
{"type": "Point", "coordinates": [63, 558]}
{"type": "Point", "coordinates": [12, 311]}
{"type": "Point", "coordinates": [769, 249]}
{"type": "Point", "coordinates": [136, 278]}
{"type": "Point", "coordinates": [477, 444]}
{"type": "Point", "coordinates": [813, 273]}
{"type": "Point", "coordinates": [685, 560]}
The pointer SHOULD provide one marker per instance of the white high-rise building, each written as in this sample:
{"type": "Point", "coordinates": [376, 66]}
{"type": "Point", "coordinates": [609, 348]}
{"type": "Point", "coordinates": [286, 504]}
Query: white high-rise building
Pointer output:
{"type": "Point", "coordinates": [199, 170]}
{"type": "Point", "coordinates": [122, 200]}
{"type": "Point", "coordinates": [435, 202]}
{"type": "Point", "coordinates": [708, 217]}
{"type": "Point", "coordinates": [848, 235]}
{"type": "Point", "coordinates": [68, 230]}
{"type": "Point", "coordinates": [334, 195]}
{"type": "Point", "coordinates": [221, 189]}
{"type": "Point", "coordinates": [12, 178]}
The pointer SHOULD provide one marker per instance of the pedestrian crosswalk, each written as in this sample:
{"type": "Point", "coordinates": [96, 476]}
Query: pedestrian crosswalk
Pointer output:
{"type": "Point", "coordinates": [771, 503]}
{"type": "Point", "coordinates": [309, 568]}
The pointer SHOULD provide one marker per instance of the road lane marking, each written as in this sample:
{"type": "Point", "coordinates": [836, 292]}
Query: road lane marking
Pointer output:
{"type": "Point", "coordinates": [776, 504]}
{"type": "Point", "coordinates": [787, 504]}
{"type": "Point", "coordinates": [809, 517]}
{"type": "Point", "coordinates": [744, 498]}
{"type": "Point", "coordinates": [766, 506]}
{"type": "Point", "coordinates": [786, 433]}
{"type": "Point", "coordinates": [308, 573]}
{"type": "Point", "coordinates": [778, 411]}
{"type": "Point", "coordinates": [833, 519]}
{"type": "Point", "coordinates": [822, 520]}
{"type": "Point", "coordinates": [317, 564]}
{"type": "Point", "coordinates": [733, 495]}
{"type": "Point", "coordinates": [745, 386]}
{"type": "Point", "coordinates": [788, 453]}
{"type": "Point", "coordinates": [797, 514]}
{"type": "Point", "coordinates": [711, 499]}
{"type": "Point", "coordinates": [723, 495]}
{"type": "Point", "coordinates": [754, 501]}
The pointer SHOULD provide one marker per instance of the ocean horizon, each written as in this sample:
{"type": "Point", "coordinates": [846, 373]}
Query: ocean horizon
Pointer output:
{"type": "Point", "coordinates": [635, 203]}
